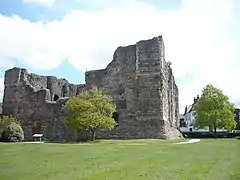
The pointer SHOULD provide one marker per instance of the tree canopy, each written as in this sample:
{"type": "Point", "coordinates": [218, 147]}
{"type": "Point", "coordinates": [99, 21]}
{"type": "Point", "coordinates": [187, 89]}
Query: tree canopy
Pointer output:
{"type": "Point", "coordinates": [89, 111]}
{"type": "Point", "coordinates": [214, 110]}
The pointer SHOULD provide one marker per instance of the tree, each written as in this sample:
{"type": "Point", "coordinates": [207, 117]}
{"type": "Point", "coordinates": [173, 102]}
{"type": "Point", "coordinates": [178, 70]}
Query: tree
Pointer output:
{"type": "Point", "coordinates": [10, 129]}
{"type": "Point", "coordinates": [89, 111]}
{"type": "Point", "coordinates": [214, 110]}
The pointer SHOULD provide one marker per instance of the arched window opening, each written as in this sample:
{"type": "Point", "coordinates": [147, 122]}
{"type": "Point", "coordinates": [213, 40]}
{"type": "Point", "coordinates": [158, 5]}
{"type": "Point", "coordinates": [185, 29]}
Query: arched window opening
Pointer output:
{"type": "Point", "coordinates": [37, 127]}
{"type": "Point", "coordinates": [55, 98]}
{"type": "Point", "coordinates": [65, 91]}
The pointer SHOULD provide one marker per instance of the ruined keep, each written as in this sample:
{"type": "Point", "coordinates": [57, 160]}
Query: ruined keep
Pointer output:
{"type": "Point", "coordinates": [139, 79]}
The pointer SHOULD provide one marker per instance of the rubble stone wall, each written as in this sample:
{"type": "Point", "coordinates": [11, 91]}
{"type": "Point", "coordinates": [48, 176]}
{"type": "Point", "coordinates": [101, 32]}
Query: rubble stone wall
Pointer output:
{"type": "Point", "coordinates": [138, 78]}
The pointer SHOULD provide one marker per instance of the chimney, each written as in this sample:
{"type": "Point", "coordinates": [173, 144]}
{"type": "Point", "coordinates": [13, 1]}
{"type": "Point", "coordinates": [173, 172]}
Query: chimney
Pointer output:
{"type": "Point", "coordinates": [197, 97]}
{"type": "Point", "coordinates": [194, 100]}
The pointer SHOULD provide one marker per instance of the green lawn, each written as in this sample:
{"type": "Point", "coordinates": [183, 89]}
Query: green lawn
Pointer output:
{"type": "Point", "coordinates": [122, 160]}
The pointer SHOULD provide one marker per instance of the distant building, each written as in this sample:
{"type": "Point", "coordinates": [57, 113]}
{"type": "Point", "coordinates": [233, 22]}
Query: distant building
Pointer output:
{"type": "Point", "coordinates": [188, 118]}
{"type": "Point", "coordinates": [237, 118]}
{"type": "Point", "coordinates": [0, 108]}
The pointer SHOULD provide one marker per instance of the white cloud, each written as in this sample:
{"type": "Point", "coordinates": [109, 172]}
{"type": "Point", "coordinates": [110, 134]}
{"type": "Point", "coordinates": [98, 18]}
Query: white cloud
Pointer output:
{"type": "Point", "coordinates": [194, 35]}
{"type": "Point", "coordinates": [40, 2]}
{"type": "Point", "coordinates": [30, 42]}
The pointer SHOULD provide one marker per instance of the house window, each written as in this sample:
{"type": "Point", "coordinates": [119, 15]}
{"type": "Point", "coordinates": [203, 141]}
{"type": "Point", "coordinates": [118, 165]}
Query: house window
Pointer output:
{"type": "Point", "coordinates": [182, 123]}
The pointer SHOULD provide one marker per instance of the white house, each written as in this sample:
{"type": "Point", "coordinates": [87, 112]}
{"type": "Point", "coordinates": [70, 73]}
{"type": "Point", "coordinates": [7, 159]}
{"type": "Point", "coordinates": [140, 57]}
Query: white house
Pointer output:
{"type": "Point", "coordinates": [187, 120]}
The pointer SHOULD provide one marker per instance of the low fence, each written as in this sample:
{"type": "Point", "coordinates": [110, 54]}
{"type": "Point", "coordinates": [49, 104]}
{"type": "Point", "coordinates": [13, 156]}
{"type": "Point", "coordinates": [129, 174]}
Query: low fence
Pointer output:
{"type": "Point", "coordinates": [211, 134]}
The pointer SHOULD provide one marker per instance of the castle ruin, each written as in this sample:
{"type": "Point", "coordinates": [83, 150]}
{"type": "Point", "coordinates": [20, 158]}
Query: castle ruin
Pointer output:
{"type": "Point", "coordinates": [139, 80]}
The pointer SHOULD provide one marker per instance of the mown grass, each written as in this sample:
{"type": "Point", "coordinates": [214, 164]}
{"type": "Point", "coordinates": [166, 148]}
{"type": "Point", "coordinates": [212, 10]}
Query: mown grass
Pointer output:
{"type": "Point", "coordinates": [122, 160]}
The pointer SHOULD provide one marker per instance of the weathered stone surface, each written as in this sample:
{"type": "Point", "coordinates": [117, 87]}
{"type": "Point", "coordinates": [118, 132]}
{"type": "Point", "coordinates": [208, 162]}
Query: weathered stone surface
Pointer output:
{"type": "Point", "coordinates": [139, 79]}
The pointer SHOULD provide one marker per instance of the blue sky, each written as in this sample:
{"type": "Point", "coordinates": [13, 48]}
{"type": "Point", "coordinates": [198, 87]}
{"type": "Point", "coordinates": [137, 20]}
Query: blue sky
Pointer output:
{"type": "Point", "coordinates": [60, 8]}
{"type": "Point", "coordinates": [70, 36]}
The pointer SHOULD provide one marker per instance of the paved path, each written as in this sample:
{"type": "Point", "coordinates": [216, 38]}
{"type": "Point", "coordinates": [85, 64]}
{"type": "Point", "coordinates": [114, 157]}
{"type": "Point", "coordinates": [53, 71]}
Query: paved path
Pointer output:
{"type": "Point", "coordinates": [34, 142]}
{"type": "Point", "coordinates": [189, 141]}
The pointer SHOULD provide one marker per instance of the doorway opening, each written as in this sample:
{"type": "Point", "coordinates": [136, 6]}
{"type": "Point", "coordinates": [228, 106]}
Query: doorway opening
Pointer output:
{"type": "Point", "coordinates": [115, 117]}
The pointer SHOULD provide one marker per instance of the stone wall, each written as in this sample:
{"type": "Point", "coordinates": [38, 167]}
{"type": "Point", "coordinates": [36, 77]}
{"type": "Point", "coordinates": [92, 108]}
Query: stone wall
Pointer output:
{"type": "Point", "coordinates": [36, 101]}
{"type": "Point", "coordinates": [138, 78]}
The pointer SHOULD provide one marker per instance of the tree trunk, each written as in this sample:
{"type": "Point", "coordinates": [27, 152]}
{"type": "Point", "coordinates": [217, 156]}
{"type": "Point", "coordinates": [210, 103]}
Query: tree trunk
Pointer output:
{"type": "Point", "coordinates": [215, 126]}
{"type": "Point", "coordinates": [86, 136]}
{"type": "Point", "coordinates": [93, 133]}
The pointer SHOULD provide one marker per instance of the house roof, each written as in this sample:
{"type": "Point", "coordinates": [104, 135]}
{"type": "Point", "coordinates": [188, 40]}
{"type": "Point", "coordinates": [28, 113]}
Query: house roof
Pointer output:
{"type": "Point", "coordinates": [188, 108]}
{"type": "Point", "coordinates": [181, 116]}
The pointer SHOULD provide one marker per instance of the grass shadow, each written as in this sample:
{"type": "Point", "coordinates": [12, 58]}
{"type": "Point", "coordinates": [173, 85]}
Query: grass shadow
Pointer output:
{"type": "Point", "coordinates": [73, 142]}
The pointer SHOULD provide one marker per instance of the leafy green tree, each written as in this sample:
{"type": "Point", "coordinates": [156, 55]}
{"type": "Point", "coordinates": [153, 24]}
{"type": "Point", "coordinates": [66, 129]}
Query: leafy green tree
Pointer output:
{"type": "Point", "coordinates": [89, 111]}
{"type": "Point", "coordinates": [214, 110]}
{"type": "Point", "coordinates": [10, 129]}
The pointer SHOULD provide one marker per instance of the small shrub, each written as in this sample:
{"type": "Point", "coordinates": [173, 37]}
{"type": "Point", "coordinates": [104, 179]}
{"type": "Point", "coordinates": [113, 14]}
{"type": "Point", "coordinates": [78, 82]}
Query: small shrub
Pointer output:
{"type": "Point", "coordinates": [14, 132]}
{"type": "Point", "coordinates": [11, 129]}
